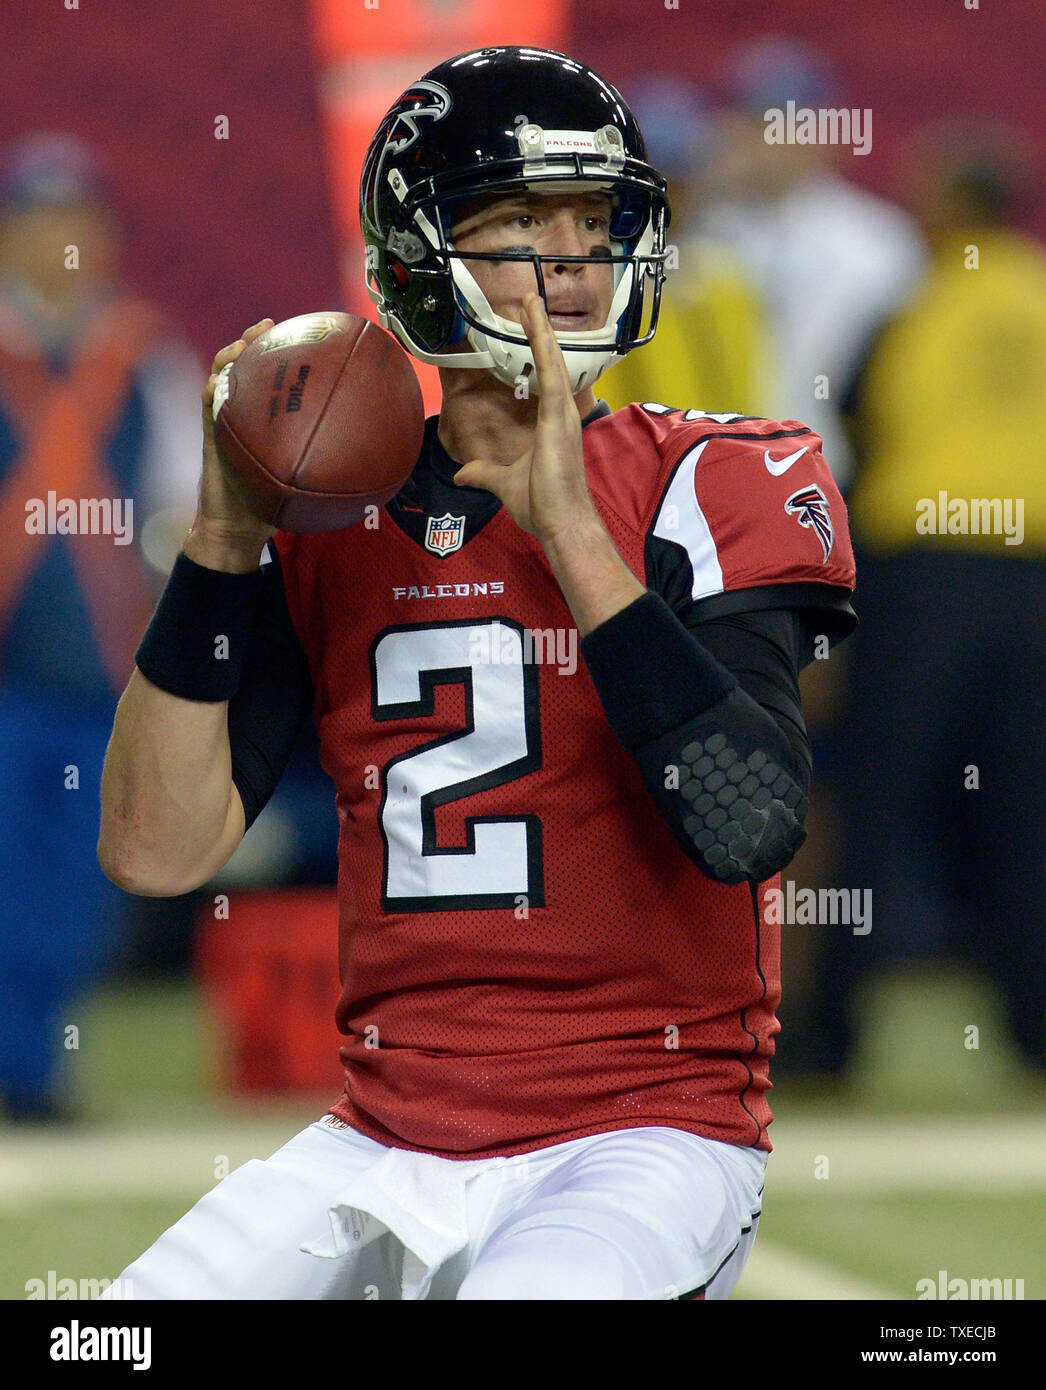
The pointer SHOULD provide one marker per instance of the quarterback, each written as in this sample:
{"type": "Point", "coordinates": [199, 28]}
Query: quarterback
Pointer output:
{"type": "Point", "coordinates": [558, 979]}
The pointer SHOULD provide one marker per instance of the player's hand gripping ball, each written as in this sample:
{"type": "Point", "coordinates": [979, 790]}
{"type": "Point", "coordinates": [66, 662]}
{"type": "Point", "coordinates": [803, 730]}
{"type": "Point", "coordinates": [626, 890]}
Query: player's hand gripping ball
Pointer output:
{"type": "Point", "coordinates": [322, 416]}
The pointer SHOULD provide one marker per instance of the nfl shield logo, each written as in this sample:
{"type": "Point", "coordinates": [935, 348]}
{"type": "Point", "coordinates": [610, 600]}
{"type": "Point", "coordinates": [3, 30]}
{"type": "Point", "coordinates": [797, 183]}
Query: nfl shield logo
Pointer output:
{"type": "Point", "coordinates": [444, 534]}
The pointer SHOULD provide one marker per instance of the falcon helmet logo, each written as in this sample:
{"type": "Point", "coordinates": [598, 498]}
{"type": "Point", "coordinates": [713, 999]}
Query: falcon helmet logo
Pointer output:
{"type": "Point", "coordinates": [444, 534]}
{"type": "Point", "coordinates": [810, 508]}
{"type": "Point", "coordinates": [403, 130]}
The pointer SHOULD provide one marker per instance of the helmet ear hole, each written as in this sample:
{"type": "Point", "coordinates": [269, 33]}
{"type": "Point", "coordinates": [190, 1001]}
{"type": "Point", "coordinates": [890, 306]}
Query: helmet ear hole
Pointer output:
{"type": "Point", "coordinates": [400, 273]}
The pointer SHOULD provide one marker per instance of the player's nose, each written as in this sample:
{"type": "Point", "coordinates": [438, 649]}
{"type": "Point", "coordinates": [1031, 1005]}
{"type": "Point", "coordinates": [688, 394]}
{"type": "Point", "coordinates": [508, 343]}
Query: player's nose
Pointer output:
{"type": "Point", "coordinates": [566, 239]}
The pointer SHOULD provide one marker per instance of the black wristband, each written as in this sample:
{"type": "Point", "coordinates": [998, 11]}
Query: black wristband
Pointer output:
{"type": "Point", "coordinates": [650, 675]}
{"type": "Point", "coordinates": [195, 644]}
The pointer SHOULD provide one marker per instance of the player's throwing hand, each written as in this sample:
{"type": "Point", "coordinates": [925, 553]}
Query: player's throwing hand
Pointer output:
{"type": "Point", "coordinates": [226, 508]}
{"type": "Point", "coordinates": [544, 490]}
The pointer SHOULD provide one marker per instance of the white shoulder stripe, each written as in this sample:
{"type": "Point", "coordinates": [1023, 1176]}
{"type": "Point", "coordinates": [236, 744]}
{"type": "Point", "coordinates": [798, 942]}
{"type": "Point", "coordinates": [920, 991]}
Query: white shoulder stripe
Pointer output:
{"type": "Point", "coordinates": [680, 519]}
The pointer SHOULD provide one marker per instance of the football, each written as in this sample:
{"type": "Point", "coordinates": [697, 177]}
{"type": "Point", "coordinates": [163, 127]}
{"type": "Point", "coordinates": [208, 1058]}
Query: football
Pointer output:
{"type": "Point", "coordinates": [322, 415]}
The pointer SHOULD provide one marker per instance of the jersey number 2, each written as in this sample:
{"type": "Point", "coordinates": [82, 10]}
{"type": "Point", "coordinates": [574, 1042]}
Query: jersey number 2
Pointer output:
{"type": "Point", "coordinates": [500, 864]}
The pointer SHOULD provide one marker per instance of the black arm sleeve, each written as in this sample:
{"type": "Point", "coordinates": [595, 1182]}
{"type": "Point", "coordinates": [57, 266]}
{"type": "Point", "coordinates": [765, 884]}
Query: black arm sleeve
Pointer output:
{"type": "Point", "coordinates": [721, 744]}
{"type": "Point", "coordinates": [274, 698]}
{"type": "Point", "coordinates": [766, 649]}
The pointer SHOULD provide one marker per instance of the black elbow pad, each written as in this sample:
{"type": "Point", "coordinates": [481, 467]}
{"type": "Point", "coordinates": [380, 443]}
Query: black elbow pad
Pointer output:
{"type": "Point", "coordinates": [725, 789]}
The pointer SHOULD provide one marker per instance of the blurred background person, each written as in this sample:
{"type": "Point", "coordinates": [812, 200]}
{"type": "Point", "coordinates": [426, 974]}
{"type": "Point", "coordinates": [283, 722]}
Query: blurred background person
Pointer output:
{"type": "Point", "coordinates": [786, 270]}
{"type": "Point", "coordinates": [829, 259]}
{"type": "Point", "coordinates": [710, 351]}
{"type": "Point", "coordinates": [943, 770]}
{"type": "Point", "coordinates": [99, 403]}
{"type": "Point", "coordinates": [826, 263]}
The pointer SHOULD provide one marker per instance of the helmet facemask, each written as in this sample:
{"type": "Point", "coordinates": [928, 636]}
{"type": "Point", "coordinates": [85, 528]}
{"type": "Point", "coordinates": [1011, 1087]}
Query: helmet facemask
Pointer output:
{"type": "Point", "coordinates": [500, 345]}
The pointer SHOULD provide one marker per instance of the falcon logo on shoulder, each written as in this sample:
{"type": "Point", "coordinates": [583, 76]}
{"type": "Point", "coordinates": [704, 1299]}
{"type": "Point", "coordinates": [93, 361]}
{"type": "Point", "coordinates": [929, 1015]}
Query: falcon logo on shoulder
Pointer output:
{"type": "Point", "coordinates": [810, 508]}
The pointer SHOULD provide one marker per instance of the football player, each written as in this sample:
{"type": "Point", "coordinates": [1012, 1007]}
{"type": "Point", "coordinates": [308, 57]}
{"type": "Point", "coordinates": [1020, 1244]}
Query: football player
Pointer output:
{"type": "Point", "coordinates": [557, 692]}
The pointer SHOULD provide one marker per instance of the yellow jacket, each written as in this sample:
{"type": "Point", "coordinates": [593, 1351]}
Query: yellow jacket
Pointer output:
{"type": "Point", "coordinates": [708, 351]}
{"type": "Point", "coordinates": [950, 421]}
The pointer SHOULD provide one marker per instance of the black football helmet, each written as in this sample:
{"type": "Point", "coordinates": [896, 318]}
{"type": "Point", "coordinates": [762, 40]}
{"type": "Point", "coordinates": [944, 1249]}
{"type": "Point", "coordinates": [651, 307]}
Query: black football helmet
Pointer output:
{"type": "Point", "coordinates": [494, 121]}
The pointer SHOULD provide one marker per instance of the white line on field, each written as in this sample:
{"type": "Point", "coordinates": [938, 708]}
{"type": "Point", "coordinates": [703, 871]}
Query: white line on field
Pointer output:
{"type": "Point", "coordinates": [775, 1273]}
{"type": "Point", "coordinates": [865, 1155]}
{"type": "Point", "coordinates": [125, 1162]}
{"type": "Point", "coordinates": [974, 1153]}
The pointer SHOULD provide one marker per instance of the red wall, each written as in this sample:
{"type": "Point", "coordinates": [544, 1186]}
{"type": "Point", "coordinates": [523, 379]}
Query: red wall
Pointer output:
{"type": "Point", "coordinates": [224, 232]}
{"type": "Point", "coordinates": [910, 61]}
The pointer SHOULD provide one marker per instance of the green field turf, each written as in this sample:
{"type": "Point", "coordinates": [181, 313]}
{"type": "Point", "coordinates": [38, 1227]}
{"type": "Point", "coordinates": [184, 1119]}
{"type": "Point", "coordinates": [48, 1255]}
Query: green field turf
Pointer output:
{"type": "Point", "coordinates": [149, 1059]}
{"type": "Point", "coordinates": [893, 1242]}
{"type": "Point", "coordinates": [79, 1240]}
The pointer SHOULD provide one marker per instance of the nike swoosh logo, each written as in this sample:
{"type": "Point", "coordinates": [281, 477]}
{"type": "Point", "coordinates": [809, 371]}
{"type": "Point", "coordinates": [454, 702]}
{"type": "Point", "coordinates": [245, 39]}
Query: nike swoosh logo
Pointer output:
{"type": "Point", "coordinates": [779, 466]}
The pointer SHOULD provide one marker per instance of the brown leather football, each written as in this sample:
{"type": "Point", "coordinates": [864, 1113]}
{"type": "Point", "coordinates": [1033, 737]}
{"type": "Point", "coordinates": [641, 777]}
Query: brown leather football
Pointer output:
{"type": "Point", "coordinates": [323, 416]}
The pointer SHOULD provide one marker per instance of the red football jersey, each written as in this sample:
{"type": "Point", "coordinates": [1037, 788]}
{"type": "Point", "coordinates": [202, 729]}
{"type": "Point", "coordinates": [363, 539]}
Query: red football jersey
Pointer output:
{"type": "Point", "coordinates": [527, 955]}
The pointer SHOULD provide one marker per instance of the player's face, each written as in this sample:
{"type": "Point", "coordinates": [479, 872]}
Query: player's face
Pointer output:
{"type": "Point", "coordinates": [562, 224]}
